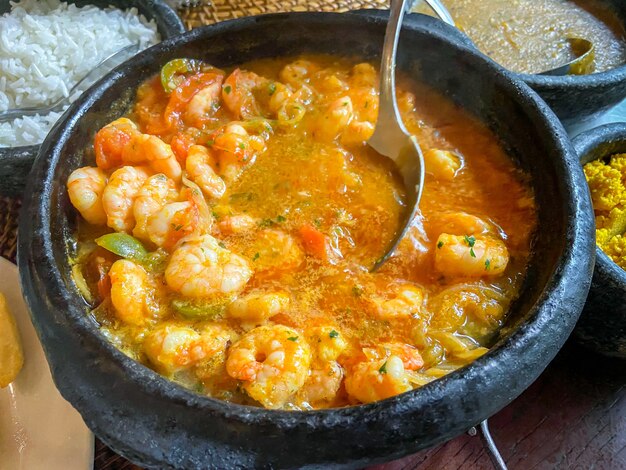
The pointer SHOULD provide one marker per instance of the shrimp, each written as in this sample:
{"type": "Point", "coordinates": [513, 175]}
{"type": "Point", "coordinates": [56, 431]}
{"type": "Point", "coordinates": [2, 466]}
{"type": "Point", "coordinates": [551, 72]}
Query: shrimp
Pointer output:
{"type": "Point", "coordinates": [407, 302]}
{"type": "Point", "coordinates": [459, 223]}
{"type": "Point", "coordinates": [322, 384]}
{"type": "Point", "coordinates": [256, 308]}
{"type": "Point", "coordinates": [156, 192]}
{"type": "Point", "coordinates": [235, 148]}
{"type": "Point", "coordinates": [200, 267]}
{"type": "Point", "coordinates": [410, 356]}
{"type": "Point", "coordinates": [377, 380]}
{"type": "Point", "coordinates": [473, 257]}
{"type": "Point", "coordinates": [273, 363]}
{"type": "Point", "coordinates": [200, 167]}
{"type": "Point", "coordinates": [146, 148]}
{"type": "Point", "coordinates": [327, 343]}
{"type": "Point", "coordinates": [298, 72]}
{"type": "Point", "coordinates": [177, 220]}
{"type": "Point", "coordinates": [274, 252]}
{"type": "Point", "coordinates": [204, 103]}
{"type": "Point", "coordinates": [129, 292]}
{"type": "Point", "coordinates": [454, 306]}
{"type": "Point", "coordinates": [85, 187]}
{"type": "Point", "coordinates": [442, 164]}
{"type": "Point", "coordinates": [334, 120]}
{"type": "Point", "coordinates": [119, 196]}
{"type": "Point", "coordinates": [110, 141]}
{"type": "Point", "coordinates": [237, 224]}
{"type": "Point", "coordinates": [241, 91]}
{"type": "Point", "coordinates": [172, 348]}
{"type": "Point", "coordinates": [363, 75]}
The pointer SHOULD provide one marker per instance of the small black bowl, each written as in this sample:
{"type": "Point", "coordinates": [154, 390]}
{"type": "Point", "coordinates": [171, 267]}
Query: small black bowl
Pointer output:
{"type": "Point", "coordinates": [15, 162]}
{"type": "Point", "coordinates": [576, 98]}
{"type": "Point", "coordinates": [159, 424]}
{"type": "Point", "coordinates": [602, 325]}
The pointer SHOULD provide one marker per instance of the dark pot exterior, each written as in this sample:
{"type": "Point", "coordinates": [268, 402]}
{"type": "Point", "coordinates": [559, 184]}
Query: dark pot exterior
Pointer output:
{"type": "Point", "coordinates": [580, 97]}
{"type": "Point", "coordinates": [602, 325]}
{"type": "Point", "coordinates": [158, 424]}
{"type": "Point", "coordinates": [16, 162]}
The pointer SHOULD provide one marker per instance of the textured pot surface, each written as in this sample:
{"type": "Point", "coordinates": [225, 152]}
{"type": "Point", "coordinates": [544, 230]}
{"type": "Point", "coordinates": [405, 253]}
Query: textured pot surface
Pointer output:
{"type": "Point", "coordinates": [156, 423]}
{"type": "Point", "coordinates": [16, 162]}
{"type": "Point", "coordinates": [602, 325]}
{"type": "Point", "coordinates": [578, 97]}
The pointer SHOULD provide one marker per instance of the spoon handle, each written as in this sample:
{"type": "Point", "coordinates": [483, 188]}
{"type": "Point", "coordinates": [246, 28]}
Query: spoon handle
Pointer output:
{"type": "Point", "coordinates": [389, 127]}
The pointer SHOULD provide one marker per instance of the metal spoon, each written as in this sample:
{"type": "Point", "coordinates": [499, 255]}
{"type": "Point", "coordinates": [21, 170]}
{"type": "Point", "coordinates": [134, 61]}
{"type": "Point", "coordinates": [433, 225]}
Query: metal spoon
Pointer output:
{"type": "Point", "coordinates": [585, 53]}
{"type": "Point", "coordinates": [390, 137]}
{"type": "Point", "coordinates": [94, 74]}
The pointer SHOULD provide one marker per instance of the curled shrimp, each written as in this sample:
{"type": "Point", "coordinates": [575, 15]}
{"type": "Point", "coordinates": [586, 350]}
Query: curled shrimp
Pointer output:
{"type": "Point", "coordinates": [85, 187]}
{"type": "Point", "coordinates": [201, 168]}
{"type": "Point", "coordinates": [235, 149]}
{"type": "Point", "coordinates": [459, 223]}
{"type": "Point", "coordinates": [470, 256]}
{"type": "Point", "coordinates": [327, 343]}
{"type": "Point", "coordinates": [172, 348]}
{"type": "Point", "coordinates": [130, 292]}
{"type": "Point", "coordinates": [180, 219]}
{"type": "Point", "coordinates": [241, 92]}
{"type": "Point", "coordinates": [146, 148]}
{"type": "Point", "coordinates": [200, 267]}
{"type": "Point", "coordinates": [407, 301]}
{"type": "Point", "coordinates": [272, 362]}
{"type": "Point", "coordinates": [322, 384]}
{"type": "Point", "coordinates": [334, 120]}
{"type": "Point", "coordinates": [110, 141]}
{"type": "Point", "coordinates": [298, 72]}
{"type": "Point", "coordinates": [454, 306]}
{"type": "Point", "coordinates": [157, 191]}
{"type": "Point", "coordinates": [376, 380]}
{"type": "Point", "coordinates": [119, 197]}
{"type": "Point", "coordinates": [255, 308]}
{"type": "Point", "coordinates": [205, 103]}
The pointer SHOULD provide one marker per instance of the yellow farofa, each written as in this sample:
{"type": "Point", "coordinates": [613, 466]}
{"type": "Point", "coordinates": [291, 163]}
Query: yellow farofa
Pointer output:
{"type": "Point", "coordinates": [607, 183]}
{"type": "Point", "coordinates": [11, 355]}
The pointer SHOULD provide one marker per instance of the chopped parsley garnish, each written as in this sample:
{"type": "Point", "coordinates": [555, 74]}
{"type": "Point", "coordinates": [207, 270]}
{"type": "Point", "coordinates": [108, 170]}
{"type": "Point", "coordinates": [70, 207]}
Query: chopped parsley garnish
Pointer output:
{"type": "Point", "coordinates": [346, 103]}
{"type": "Point", "coordinates": [471, 241]}
{"type": "Point", "coordinates": [357, 291]}
{"type": "Point", "coordinates": [487, 265]}
{"type": "Point", "coordinates": [318, 223]}
{"type": "Point", "coordinates": [383, 368]}
{"type": "Point", "coordinates": [222, 244]}
{"type": "Point", "coordinates": [242, 146]}
{"type": "Point", "coordinates": [281, 218]}
{"type": "Point", "coordinates": [209, 142]}
{"type": "Point", "coordinates": [333, 334]}
{"type": "Point", "coordinates": [293, 338]}
{"type": "Point", "coordinates": [256, 256]}
{"type": "Point", "coordinates": [439, 245]}
{"type": "Point", "coordinates": [227, 89]}
{"type": "Point", "coordinates": [177, 227]}
{"type": "Point", "coordinates": [272, 88]}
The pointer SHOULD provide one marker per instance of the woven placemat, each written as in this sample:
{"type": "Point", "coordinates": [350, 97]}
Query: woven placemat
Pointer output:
{"type": "Point", "coordinates": [204, 14]}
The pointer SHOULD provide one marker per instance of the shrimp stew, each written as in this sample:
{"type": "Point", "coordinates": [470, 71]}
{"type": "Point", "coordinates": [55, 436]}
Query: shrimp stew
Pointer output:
{"type": "Point", "coordinates": [231, 220]}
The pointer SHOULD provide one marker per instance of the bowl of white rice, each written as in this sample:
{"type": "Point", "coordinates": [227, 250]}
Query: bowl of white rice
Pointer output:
{"type": "Point", "coordinates": [47, 46]}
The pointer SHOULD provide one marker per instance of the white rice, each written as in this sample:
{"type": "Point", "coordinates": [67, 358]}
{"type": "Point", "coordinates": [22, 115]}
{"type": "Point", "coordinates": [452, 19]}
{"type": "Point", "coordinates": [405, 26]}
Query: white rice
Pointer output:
{"type": "Point", "coordinates": [47, 46]}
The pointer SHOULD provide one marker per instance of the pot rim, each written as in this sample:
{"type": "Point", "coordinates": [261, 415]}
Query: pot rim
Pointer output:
{"type": "Point", "coordinates": [539, 317]}
{"type": "Point", "coordinates": [585, 143]}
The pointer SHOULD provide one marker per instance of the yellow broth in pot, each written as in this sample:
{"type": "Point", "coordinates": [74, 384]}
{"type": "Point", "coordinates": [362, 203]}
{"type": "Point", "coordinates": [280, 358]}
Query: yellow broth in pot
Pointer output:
{"type": "Point", "coordinates": [231, 220]}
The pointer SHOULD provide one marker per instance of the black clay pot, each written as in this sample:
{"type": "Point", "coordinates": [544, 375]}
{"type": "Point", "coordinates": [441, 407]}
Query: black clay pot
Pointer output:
{"type": "Point", "coordinates": [602, 326]}
{"type": "Point", "coordinates": [580, 97]}
{"type": "Point", "coordinates": [16, 162]}
{"type": "Point", "coordinates": [159, 424]}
